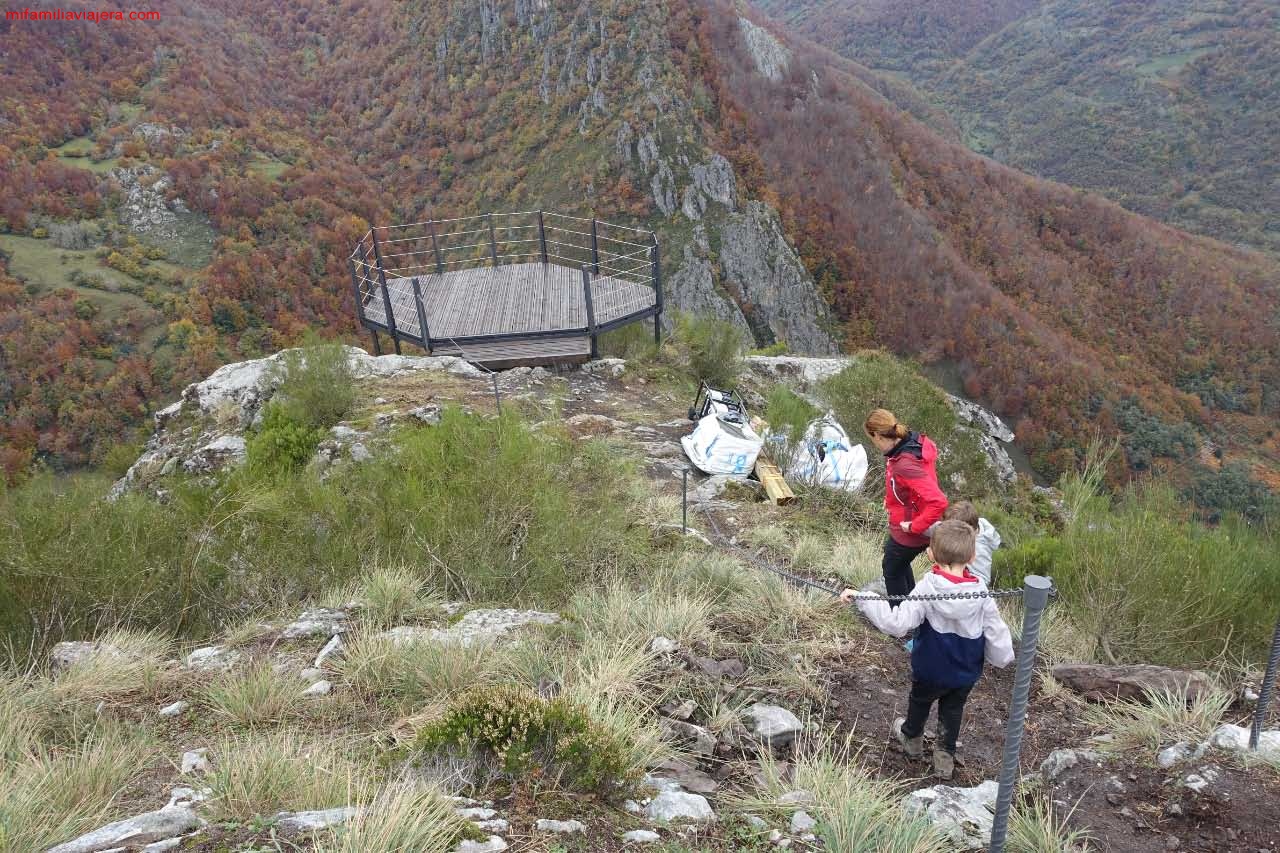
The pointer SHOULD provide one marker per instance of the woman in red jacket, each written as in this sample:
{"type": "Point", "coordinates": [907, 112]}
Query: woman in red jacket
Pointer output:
{"type": "Point", "coordinates": [911, 496]}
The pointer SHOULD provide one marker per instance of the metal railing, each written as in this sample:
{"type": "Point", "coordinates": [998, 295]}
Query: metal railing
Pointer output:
{"type": "Point", "coordinates": [418, 250]}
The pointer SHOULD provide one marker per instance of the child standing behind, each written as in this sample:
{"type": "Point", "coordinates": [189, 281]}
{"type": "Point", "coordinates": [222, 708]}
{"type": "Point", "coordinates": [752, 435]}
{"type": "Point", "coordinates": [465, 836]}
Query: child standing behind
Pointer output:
{"type": "Point", "coordinates": [955, 636]}
{"type": "Point", "coordinates": [986, 537]}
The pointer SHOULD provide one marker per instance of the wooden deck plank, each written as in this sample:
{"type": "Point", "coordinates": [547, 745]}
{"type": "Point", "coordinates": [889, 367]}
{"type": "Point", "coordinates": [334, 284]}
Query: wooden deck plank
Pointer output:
{"type": "Point", "coordinates": [510, 299]}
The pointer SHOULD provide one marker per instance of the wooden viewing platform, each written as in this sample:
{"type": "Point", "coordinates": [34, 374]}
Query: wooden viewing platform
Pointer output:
{"type": "Point", "coordinates": [506, 289]}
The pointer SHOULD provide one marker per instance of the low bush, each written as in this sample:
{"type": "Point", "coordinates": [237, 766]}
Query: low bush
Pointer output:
{"type": "Point", "coordinates": [315, 384]}
{"type": "Point", "coordinates": [533, 738]}
{"type": "Point", "coordinates": [789, 414]}
{"type": "Point", "coordinates": [484, 509]}
{"type": "Point", "coordinates": [713, 348]}
{"type": "Point", "coordinates": [281, 444]}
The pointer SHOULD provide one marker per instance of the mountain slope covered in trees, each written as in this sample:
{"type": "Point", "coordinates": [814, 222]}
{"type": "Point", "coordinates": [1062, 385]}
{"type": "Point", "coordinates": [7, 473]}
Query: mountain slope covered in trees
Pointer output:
{"type": "Point", "coordinates": [199, 210]}
{"type": "Point", "coordinates": [1166, 107]}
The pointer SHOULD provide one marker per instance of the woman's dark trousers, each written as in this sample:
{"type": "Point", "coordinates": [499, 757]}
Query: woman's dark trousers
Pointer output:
{"type": "Point", "coordinates": [898, 578]}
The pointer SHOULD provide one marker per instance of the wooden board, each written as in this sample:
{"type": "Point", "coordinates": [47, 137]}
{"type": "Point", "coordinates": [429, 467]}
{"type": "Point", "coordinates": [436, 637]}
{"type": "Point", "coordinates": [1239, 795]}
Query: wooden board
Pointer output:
{"type": "Point", "coordinates": [774, 485]}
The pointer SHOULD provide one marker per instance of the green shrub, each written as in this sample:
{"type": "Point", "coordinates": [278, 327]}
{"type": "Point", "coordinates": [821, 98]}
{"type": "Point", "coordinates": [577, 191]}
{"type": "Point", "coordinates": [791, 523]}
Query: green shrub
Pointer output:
{"type": "Point", "coordinates": [1146, 582]}
{"type": "Point", "coordinates": [528, 736]}
{"type": "Point", "coordinates": [775, 348]}
{"type": "Point", "coordinates": [315, 384]}
{"type": "Point", "coordinates": [1040, 556]}
{"type": "Point", "coordinates": [789, 414]}
{"type": "Point", "coordinates": [282, 443]}
{"type": "Point", "coordinates": [713, 348]}
{"type": "Point", "coordinates": [484, 509]}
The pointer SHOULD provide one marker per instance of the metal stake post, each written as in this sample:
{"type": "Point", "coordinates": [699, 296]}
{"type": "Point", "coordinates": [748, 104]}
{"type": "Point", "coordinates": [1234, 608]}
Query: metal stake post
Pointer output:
{"type": "Point", "coordinates": [1035, 595]}
{"type": "Point", "coordinates": [1268, 685]}
{"type": "Point", "coordinates": [684, 506]}
{"type": "Point", "coordinates": [657, 291]}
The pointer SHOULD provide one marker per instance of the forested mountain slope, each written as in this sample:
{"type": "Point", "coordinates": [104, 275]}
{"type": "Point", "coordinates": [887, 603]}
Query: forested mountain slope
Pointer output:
{"type": "Point", "coordinates": [1167, 107]}
{"type": "Point", "coordinates": [198, 209]}
{"type": "Point", "coordinates": [1064, 311]}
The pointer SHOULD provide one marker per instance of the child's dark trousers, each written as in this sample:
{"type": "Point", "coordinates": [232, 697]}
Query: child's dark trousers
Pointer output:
{"type": "Point", "coordinates": [950, 711]}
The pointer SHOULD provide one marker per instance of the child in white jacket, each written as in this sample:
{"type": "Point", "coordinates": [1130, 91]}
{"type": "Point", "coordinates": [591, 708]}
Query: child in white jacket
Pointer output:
{"type": "Point", "coordinates": [986, 537]}
{"type": "Point", "coordinates": [955, 636]}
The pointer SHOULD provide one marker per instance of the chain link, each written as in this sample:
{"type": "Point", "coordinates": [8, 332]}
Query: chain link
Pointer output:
{"type": "Point", "coordinates": [720, 540]}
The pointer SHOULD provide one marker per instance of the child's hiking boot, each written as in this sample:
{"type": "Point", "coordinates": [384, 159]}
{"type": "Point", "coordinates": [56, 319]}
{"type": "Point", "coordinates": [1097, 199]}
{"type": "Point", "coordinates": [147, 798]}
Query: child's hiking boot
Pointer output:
{"type": "Point", "coordinates": [944, 764]}
{"type": "Point", "coordinates": [912, 746]}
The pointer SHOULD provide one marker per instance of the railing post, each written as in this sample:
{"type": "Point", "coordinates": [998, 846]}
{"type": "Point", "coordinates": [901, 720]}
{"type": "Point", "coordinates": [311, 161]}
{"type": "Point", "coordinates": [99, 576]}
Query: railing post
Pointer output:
{"type": "Point", "coordinates": [1035, 595]}
{"type": "Point", "coordinates": [435, 247]}
{"type": "Point", "coordinates": [657, 290]}
{"type": "Point", "coordinates": [422, 316]}
{"type": "Point", "coordinates": [355, 286]}
{"type": "Point", "coordinates": [684, 502]}
{"type": "Point", "coordinates": [386, 297]}
{"type": "Point", "coordinates": [493, 242]}
{"type": "Point", "coordinates": [591, 313]}
{"type": "Point", "coordinates": [1264, 693]}
{"type": "Point", "coordinates": [595, 250]}
{"type": "Point", "coordinates": [377, 344]}
{"type": "Point", "coordinates": [542, 237]}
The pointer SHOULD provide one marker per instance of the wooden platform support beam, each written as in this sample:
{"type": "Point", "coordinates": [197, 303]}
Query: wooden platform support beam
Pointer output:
{"type": "Point", "coordinates": [386, 297]}
{"type": "Point", "coordinates": [775, 486]}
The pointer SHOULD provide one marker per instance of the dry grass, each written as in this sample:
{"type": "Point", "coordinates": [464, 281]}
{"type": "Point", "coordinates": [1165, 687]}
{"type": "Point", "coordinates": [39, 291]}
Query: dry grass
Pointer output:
{"type": "Point", "coordinates": [255, 696]}
{"type": "Point", "coordinates": [1158, 719]}
{"type": "Point", "coordinates": [261, 774]}
{"type": "Point", "coordinates": [129, 662]}
{"type": "Point", "coordinates": [408, 673]}
{"type": "Point", "coordinates": [855, 559]}
{"type": "Point", "coordinates": [856, 812]}
{"type": "Point", "coordinates": [623, 611]}
{"type": "Point", "coordinates": [389, 595]}
{"type": "Point", "coordinates": [401, 817]}
{"type": "Point", "coordinates": [1034, 827]}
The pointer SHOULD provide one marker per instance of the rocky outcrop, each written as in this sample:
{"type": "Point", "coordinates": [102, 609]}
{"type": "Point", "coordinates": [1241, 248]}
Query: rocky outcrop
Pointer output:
{"type": "Point", "coordinates": [482, 626]}
{"type": "Point", "coordinates": [771, 57]}
{"type": "Point", "coordinates": [760, 266]}
{"type": "Point", "coordinates": [962, 815]}
{"type": "Point", "coordinates": [146, 208]}
{"type": "Point", "coordinates": [160, 825]}
{"type": "Point", "coordinates": [204, 430]}
{"type": "Point", "coordinates": [1137, 681]}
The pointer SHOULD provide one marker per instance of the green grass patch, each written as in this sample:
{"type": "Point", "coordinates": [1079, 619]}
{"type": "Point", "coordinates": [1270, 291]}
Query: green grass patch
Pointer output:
{"type": "Point", "coordinates": [487, 509]}
{"type": "Point", "coordinates": [77, 152]}
{"type": "Point", "coordinates": [788, 413]}
{"type": "Point", "coordinates": [267, 168]}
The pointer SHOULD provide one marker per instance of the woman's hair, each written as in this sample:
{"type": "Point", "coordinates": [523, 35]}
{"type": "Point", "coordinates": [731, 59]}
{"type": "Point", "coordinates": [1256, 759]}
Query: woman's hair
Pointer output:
{"type": "Point", "coordinates": [962, 511]}
{"type": "Point", "coordinates": [884, 423]}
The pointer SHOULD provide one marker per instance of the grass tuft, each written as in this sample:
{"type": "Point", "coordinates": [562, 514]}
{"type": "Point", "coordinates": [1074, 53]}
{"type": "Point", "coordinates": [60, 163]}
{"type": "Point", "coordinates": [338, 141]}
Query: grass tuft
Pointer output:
{"type": "Point", "coordinates": [256, 696]}
{"type": "Point", "coordinates": [1158, 719]}
{"type": "Point", "coordinates": [401, 817]}
{"type": "Point", "coordinates": [261, 774]}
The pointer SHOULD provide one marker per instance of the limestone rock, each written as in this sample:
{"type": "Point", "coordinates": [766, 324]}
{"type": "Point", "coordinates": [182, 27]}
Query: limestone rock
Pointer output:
{"type": "Point", "coordinates": [195, 761]}
{"type": "Point", "coordinates": [69, 653]}
{"type": "Point", "coordinates": [663, 646]}
{"type": "Point", "coordinates": [312, 820]}
{"type": "Point", "coordinates": [1061, 760]}
{"type": "Point", "coordinates": [1171, 755]}
{"type": "Point", "coordinates": [640, 836]}
{"type": "Point", "coordinates": [796, 369]}
{"type": "Point", "coordinates": [798, 797]}
{"type": "Point", "coordinates": [802, 821]}
{"type": "Point", "coordinates": [175, 709]}
{"type": "Point", "coordinates": [320, 688]}
{"type": "Point", "coordinates": [333, 648]}
{"type": "Point", "coordinates": [981, 418]}
{"type": "Point", "coordinates": [679, 805]}
{"type": "Point", "coordinates": [319, 621]}
{"type": "Point", "coordinates": [561, 827]}
{"type": "Point", "coordinates": [760, 265]}
{"type": "Point", "coordinates": [492, 844]}
{"type": "Point", "coordinates": [962, 815]}
{"type": "Point", "coordinates": [771, 57]}
{"type": "Point", "coordinates": [428, 414]}
{"type": "Point", "coordinates": [1098, 682]}
{"type": "Point", "coordinates": [605, 368]}
{"type": "Point", "coordinates": [1233, 738]}
{"type": "Point", "coordinates": [773, 724]}
{"type": "Point", "coordinates": [475, 626]}
{"type": "Point", "coordinates": [225, 451]}
{"type": "Point", "coordinates": [696, 738]}
{"type": "Point", "coordinates": [212, 659]}
{"type": "Point", "coordinates": [159, 825]}
{"type": "Point", "coordinates": [587, 424]}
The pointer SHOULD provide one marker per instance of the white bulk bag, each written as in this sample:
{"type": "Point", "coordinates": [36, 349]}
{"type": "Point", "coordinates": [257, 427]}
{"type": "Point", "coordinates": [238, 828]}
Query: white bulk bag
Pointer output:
{"type": "Point", "coordinates": [720, 447]}
{"type": "Point", "coordinates": [826, 457]}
